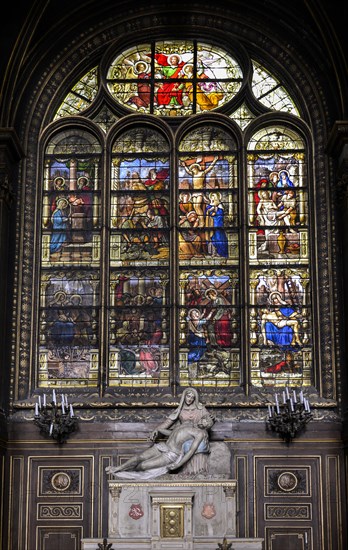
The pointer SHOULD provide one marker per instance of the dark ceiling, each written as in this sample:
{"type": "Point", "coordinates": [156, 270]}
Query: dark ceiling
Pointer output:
{"type": "Point", "coordinates": [320, 26]}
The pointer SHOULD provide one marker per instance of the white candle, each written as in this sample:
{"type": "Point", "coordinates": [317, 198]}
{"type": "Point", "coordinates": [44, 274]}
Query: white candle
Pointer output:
{"type": "Point", "coordinates": [44, 400]}
{"type": "Point", "coordinates": [291, 405]}
{"type": "Point", "coordinates": [39, 399]}
{"type": "Point", "coordinates": [277, 406]}
{"type": "Point", "coordinates": [301, 396]}
{"type": "Point", "coordinates": [287, 392]}
{"type": "Point", "coordinates": [294, 396]}
{"type": "Point", "coordinates": [51, 429]}
{"type": "Point", "coordinates": [276, 398]}
{"type": "Point", "coordinates": [284, 398]}
{"type": "Point", "coordinates": [66, 401]}
{"type": "Point", "coordinates": [54, 399]}
{"type": "Point", "coordinates": [36, 409]}
{"type": "Point", "coordinates": [71, 410]}
{"type": "Point", "coordinates": [269, 411]}
{"type": "Point", "coordinates": [63, 409]}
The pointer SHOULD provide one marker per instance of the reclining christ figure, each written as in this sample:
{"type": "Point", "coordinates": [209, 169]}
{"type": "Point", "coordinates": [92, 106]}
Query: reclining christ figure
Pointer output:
{"type": "Point", "coordinates": [182, 443]}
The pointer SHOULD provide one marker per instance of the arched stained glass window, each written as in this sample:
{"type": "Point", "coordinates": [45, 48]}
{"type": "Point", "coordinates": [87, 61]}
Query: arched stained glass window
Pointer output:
{"type": "Point", "coordinates": [139, 326]}
{"type": "Point", "coordinates": [70, 261]}
{"type": "Point", "coordinates": [175, 248]}
{"type": "Point", "coordinates": [208, 252]}
{"type": "Point", "coordinates": [280, 304]}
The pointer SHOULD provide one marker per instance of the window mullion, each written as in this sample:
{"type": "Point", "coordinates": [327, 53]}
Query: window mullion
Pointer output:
{"type": "Point", "coordinates": [245, 374]}
{"type": "Point", "coordinates": [174, 274]}
{"type": "Point", "coordinates": [105, 272]}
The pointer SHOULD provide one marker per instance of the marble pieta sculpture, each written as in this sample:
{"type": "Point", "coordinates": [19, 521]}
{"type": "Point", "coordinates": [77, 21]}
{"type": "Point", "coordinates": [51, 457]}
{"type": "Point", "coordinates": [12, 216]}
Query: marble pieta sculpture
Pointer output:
{"type": "Point", "coordinates": [186, 445]}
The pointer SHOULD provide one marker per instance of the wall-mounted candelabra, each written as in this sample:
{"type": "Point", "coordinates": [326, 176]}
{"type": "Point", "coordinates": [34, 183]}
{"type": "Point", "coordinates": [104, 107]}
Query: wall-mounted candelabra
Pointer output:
{"type": "Point", "coordinates": [290, 416]}
{"type": "Point", "coordinates": [55, 420]}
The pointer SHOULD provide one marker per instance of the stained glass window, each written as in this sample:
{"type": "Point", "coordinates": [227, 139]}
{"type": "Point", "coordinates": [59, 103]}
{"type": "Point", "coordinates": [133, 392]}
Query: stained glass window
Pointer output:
{"type": "Point", "coordinates": [70, 262]}
{"type": "Point", "coordinates": [176, 252]}
{"type": "Point", "coordinates": [280, 318]}
{"type": "Point", "coordinates": [242, 116]}
{"type": "Point", "coordinates": [81, 95]}
{"type": "Point", "coordinates": [208, 222]}
{"type": "Point", "coordinates": [174, 78]}
{"type": "Point", "coordinates": [139, 324]}
{"type": "Point", "coordinates": [270, 92]}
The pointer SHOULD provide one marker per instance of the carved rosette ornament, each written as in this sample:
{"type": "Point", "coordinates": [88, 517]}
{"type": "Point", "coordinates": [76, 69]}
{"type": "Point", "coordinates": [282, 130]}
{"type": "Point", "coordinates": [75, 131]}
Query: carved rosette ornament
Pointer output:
{"type": "Point", "coordinates": [61, 481]}
{"type": "Point", "coordinates": [287, 481]}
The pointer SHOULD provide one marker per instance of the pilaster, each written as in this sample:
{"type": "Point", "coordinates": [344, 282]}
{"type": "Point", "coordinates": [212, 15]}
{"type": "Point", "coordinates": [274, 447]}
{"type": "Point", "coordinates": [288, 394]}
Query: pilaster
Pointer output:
{"type": "Point", "coordinates": [10, 155]}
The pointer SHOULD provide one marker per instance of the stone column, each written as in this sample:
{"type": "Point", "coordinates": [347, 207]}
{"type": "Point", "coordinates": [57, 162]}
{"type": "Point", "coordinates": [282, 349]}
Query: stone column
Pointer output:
{"type": "Point", "coordinates": [230, 493]}
{"type": "Point", "coordinates": [114, 504]}
{"type": "Point", "coordinates": [10, 155]}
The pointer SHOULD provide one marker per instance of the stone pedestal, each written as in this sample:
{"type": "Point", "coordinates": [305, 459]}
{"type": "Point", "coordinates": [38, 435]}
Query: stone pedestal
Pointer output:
{"type": "Point", "coordinates": [173, 514]}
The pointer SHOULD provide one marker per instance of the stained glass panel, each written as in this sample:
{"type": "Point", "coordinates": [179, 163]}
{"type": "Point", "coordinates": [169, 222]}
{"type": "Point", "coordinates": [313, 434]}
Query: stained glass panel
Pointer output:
{"type": "Point", "coordinates": [276, 138]}
{"type": "Point", "coordinates": [140, 221]}
{"type": "Point", "coordinates": [209, 327]}
{"type": "Point", "coordinates": [280, 324]}
{"type": "Point", "coordinates": [140, 216]}
{"type": "Point", "coordinates": [174, 78]}
{"type": "Point", "coordinates": [70, 261]}
{"type": "Point", "coordinates": [270, 91]}
{"type": "Point", "coordinates": [139, 328]}
{"type": "Point", "coordinates": [280, 302]}
{"type": "Point", "coordinates": [69, 321]}
{"type": "Point", "coordinates": [277, 206]}
{"type": "Point", "coordinates": [208, 236]}
{"type": "Point", "coordinates": [243, 116]}
{"type": "Point", "coordinates": [81, 95]}
{"type": "Point", "coordinates": [71, 211]}
{"type": "Point", "coordinates": [207, 199]}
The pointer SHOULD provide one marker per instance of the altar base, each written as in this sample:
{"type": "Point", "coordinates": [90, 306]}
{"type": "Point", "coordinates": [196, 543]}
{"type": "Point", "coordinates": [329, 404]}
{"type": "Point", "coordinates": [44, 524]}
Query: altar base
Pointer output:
{"type": "Point", "coordinates": [172, 514]}
{"type": "Point", "coordinates": [198, 544]}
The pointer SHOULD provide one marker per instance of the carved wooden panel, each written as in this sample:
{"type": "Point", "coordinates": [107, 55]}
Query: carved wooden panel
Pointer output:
{"type": "Point", "coordinates": [52, 538]}
{"type": "Point", "coordinates": [291, 539]}
{"type": "Point", "coordinates": [62, 496]}
{"type": "Point", "coordinates": [287, 495]}
{"type": "Point", "coordinates": [62, 511]}
{"type": "Point", "coordinates": [288, 512]}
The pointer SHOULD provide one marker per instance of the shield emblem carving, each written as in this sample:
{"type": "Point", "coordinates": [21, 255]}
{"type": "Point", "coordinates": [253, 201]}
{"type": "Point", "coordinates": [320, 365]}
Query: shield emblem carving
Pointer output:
{"type": "Point", "coordinates": [208, 511]}
{"type": "Point", "coordinates": [136, 511]}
